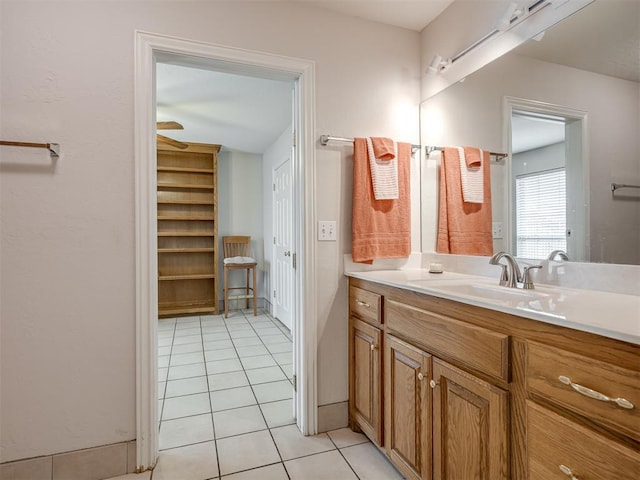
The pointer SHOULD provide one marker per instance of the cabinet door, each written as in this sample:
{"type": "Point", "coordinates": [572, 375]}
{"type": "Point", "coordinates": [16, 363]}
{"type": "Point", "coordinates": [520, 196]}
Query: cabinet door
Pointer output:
{"type": "Point", "coordinates": [407, 408]}
{"type": "Point", "coordinates": [470, 421]}
{"type": "Point", "coordinates": [365, 383]}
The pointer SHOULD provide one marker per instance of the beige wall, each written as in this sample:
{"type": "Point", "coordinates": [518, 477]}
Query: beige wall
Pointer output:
{"type": "Point", "coordinates": [67, 242]}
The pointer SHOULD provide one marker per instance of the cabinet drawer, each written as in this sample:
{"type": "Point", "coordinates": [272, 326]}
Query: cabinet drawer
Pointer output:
{"type": "Point", "coordinates": [475, 346]}
{"type": "Point", "coordinates": [553, 441]}
{"type": "Point", "coordinates": [546, 366]}
{"type": "Point", "coordinates": [365, 305]}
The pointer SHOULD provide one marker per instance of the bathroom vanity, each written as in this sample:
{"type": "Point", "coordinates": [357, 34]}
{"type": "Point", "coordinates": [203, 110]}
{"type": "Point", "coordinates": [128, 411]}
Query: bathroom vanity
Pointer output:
{"type": "Point", "coordinates": [454, 377]}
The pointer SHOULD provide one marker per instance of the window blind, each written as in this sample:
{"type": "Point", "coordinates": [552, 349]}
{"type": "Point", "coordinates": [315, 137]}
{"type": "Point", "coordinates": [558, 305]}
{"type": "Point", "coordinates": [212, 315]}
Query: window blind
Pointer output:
{"type": "Point", "coordinates": [541, 213]}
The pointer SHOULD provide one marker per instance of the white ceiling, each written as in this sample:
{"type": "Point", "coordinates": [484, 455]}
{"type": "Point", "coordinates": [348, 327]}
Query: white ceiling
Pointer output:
{"type": "Point", "coordinates": [529, 132]}
{"type": "Point", "coordinates": [239, 112]}
{"type": "Point", "coordinates": [410, 14]}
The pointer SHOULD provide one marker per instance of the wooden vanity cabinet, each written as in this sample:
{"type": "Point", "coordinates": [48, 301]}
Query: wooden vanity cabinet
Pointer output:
{"type": "Point", "coordinates": [365, 365]}
{"type": "Point", "coordinates": [407, 408]}
{"type": "Point", "coordinates": [471, 393]}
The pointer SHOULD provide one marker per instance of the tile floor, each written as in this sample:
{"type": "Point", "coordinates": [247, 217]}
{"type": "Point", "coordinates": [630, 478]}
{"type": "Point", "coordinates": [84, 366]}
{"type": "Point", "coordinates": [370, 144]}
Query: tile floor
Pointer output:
{"type": "Point", "coordinates": [226, 408]}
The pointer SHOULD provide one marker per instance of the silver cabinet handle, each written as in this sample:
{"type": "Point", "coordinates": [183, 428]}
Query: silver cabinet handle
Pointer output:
{"type": "Point", "coordinates": [568, 472]}
{"type": "Point", "coordinates": [362, 304]}
{"type": "Point", "coordinates": [587, 392]}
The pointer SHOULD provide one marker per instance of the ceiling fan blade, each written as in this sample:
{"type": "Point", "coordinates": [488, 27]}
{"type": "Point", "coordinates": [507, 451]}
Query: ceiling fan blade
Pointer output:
{"type": "Point", "coordinates": [172, 142]}
{"type": "Point", "coordinates": [169, 126]}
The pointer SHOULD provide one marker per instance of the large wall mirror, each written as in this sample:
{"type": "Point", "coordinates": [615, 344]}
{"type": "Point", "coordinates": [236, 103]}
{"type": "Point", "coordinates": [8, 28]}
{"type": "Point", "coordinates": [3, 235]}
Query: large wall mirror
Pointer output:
{"type": "Point", "coordinates": [566, 107]}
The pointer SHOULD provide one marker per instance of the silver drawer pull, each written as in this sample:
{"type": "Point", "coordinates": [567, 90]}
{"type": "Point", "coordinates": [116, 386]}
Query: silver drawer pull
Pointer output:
{"type": "Point", "coordinates": [568, 472]}
{"type": "Point", "coordinates": [587, 392]}
{"type": "Point", "coordinates": [362, 304]}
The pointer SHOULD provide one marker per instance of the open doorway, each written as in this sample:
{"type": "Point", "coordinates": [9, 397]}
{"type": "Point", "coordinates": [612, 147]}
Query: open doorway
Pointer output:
{"type": "Point", "coordinates": [150, 50]}
{"type": "Point", "coordinates": [224, 375]}
{"type": "Point", "coordinates": [547, 180]}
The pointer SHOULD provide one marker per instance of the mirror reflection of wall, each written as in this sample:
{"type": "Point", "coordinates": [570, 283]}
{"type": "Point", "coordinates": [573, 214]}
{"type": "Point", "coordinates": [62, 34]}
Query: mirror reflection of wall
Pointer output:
{"type": "Point", "coordinates": [473, 113]}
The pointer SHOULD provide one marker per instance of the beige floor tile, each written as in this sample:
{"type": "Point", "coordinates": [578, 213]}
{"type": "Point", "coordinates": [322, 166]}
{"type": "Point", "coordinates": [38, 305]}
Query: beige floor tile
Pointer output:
{"type": "Point", "coordinates": [186, 371]}
{"type": "Point", "coordinates": [247, 341]}
{"type": "Point", "coordinates": [186, 358]}
{"type": "Point", "coordinates": [185, 431]}
{"type": "Point", "coordinates": [252, 351]}
{"type": "Point", "coordinates": [217, 345]}
{"type": "Point", "coordinates": [272, 472]}
{"type": "Point", "coordinates": [259, 361]}
{"type": "Point", "coordinates": [265, 375]}
{"type": "Point", "coordinates": [132, 476]}
{"type": "Point", "coordinates": [278, 413]}
{"type": "Point", "coordinates": [285, 358]}
{"type": "Point", "coordinates": [193, 462]}
{"type": "Point", "coordinates": [186, 406]}
{"type": "Point", "coordinates": [270, 392]}
{"type": "Point", "coordinates": [369, 463]}
{"type": "Point", "coordinates": [232, 398]}
{"type": "Point", "coordinates": [247, 451]}
{"type": "Point", "coordinates": [292, 443]}
{"type": "Point", "coordinates": [220, 354]}
{"type": "Point", "coordinates": [323, 466]}
{"type": "Point", "coordinates": [186, 386]}
{"type": "Point", "coordinates": [345, 437]}
{"type": "Point", "coordinates": [187, 348]}
{"type": "Point", "coordinates": [238, 421]}
{"type": "Point", "coordinates": [223, 366]}
{"type": "Point", "coordinates": [221, 381]}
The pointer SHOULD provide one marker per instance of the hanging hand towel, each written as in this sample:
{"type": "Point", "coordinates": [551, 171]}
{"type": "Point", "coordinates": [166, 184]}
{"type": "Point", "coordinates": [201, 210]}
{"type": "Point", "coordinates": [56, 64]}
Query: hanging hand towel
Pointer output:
{"type": "Point", "coordinates": [383, 161]}
{"type": "Point", "coordinates": [463, 228]}
{"type": "Point", "coordinates": [380, 228]}
{"type": "Point", "coordinates": [471, 174]}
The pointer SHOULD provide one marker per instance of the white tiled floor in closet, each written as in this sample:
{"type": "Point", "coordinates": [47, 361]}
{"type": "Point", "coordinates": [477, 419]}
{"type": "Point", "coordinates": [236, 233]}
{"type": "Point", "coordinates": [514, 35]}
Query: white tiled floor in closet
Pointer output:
{"type": "Point", "coordinates": [226, 408]}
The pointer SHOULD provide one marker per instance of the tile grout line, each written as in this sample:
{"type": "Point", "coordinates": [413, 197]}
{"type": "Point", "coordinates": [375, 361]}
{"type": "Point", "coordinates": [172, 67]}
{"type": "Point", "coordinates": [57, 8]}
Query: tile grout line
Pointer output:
{"type": "Point", "coordinates": [345, 458]}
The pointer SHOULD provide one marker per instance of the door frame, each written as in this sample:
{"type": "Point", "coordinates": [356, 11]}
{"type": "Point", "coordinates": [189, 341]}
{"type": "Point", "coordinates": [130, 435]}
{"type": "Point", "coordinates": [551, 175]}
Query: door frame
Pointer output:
{"type": "Point", "coordinates": [150, 47]}
{"type": "Point", "coordinates": [576, 148]}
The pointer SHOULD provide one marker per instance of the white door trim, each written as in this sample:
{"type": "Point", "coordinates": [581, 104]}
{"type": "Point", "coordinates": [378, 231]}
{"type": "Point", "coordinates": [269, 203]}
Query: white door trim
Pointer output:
{"type": "Point", "coordinates": [148, 48]}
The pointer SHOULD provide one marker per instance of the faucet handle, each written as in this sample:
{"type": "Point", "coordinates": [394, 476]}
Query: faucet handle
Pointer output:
{"type": "Point", "coordinates": [504, 276]}
{"type": "Point", "coordinates": [527, 284]}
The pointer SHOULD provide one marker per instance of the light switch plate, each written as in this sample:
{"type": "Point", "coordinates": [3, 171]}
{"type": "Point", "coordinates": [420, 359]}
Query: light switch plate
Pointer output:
{"type": "Point", "coordinates": [327, 231]}
{"type": "Point", "coordinates": [497, 230]}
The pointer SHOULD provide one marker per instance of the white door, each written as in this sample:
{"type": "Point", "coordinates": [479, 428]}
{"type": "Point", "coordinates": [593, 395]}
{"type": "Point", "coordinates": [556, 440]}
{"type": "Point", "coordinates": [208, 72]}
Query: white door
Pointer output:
{"type": "Point", "coordinates": [283, 243]}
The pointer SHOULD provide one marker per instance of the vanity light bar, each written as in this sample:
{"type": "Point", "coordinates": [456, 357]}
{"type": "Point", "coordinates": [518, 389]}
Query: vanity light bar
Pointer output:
{"type": "Point", "coordinates": [511, 17]}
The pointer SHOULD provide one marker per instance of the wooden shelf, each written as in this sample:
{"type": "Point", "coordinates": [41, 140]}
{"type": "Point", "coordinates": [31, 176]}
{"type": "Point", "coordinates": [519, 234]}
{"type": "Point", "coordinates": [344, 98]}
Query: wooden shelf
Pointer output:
{"type": "Point", "coordinates": [187, 188]}
{"type": "Point", "coordinates": [186, 250]}
{"type": "Point", "coordinates": [192, 276]}
{"type": "Point", "coordinates": [188, 201]}
{"type": "Point", "coordinates": [187, 217]}
{"type": "Point", "coordinates": [184, 185]}
{"type": "Point", "coordinates": [187, 233]}
{"type": "Point", "coordinates": [185, 170]}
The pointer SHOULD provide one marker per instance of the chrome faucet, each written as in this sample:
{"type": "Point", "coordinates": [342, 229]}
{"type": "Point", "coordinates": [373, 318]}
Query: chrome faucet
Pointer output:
{"type": "Point", "coordinates": [558, 253]}
{"type": "Point", "coordinates": [511, 276]}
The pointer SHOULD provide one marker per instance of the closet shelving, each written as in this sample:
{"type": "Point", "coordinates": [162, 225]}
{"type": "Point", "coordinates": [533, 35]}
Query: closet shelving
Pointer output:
{"type": "Point", "coordinates": [187, 229]}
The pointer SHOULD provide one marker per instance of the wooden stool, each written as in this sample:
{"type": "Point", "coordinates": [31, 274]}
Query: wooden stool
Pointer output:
{"type": "Point", "coordinates": [236, 251]}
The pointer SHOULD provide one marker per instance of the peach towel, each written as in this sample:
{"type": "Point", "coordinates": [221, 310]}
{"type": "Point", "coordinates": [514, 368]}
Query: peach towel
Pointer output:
{"type": "Point", "coordinates": [463, 228]}
{"type": "Point", "coordinates": [380, 228]}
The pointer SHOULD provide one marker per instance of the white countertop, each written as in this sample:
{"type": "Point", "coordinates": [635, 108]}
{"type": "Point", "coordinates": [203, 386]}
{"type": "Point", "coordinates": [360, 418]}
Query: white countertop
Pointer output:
{"type": "Point", "coordinates": [608, 314]}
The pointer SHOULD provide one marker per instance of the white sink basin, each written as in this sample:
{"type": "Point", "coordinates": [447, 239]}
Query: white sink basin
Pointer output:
{"type": "Point", "coordinates": [485, 291]}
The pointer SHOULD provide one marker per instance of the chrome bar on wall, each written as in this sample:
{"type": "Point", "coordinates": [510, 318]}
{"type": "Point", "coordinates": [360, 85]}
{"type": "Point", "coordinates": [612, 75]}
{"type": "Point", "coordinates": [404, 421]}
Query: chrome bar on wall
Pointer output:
{"type": "Point", "coordinates": [616, 186]}
{"type": "Point", "coordinates": [325, 139]}
{"type": "Point", "coordinates": [430, 149]}
{"type": "Point", "coordinates": [54, 148]}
